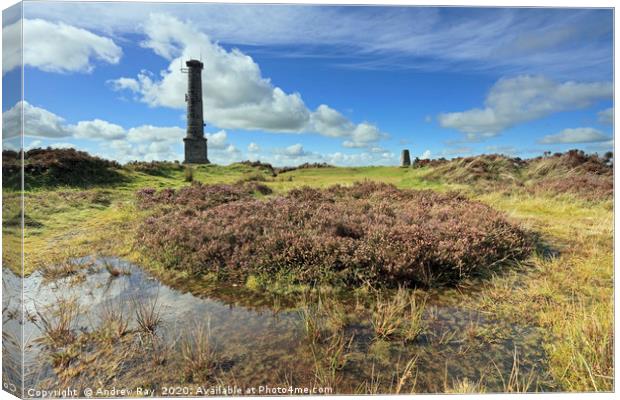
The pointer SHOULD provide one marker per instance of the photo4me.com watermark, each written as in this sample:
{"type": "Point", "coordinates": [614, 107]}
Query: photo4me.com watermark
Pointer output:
{"type": "Point", "coordinates": [180, 391]}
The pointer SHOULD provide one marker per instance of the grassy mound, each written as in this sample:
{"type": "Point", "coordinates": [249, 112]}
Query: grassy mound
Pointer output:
{"type": "Point", "coordinates": [369, 232]}
{"type": "Point", "coordinates": [589, 177]}
{"type": "Point", "coordinates": [489, 169]}
{"type": "Point", "coordinates": [58, 167]}
{"type": "Point", "coordinates": [260, 166]}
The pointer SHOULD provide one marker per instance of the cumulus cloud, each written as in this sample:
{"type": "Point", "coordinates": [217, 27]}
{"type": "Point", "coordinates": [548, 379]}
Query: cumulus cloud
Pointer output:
{"type": "Point", "coordinates": [217, 140]}
{"type": "Point", "coordinates": [37, 122]}
{"type": "Point", "coordinates": [575, 135]}
{"type": "Point", "coordinates": [145, 142]}
{"type": "Point", "coordinates": [97, 129]}
{"type": "Point", "coordinates": [61, 145]}
{"type": "Point", "coordinates": [56, 47]}
{"type": "Point", "coordinates": [124, 151]}
{"type": "Point", "coordinates": [293, 151]}
{"type": "Point", "coordinates": [231, 149]}
{"type": "Point", "coordinates": [150, 133]}
{"type": "Point", "coordinates": [606, 116]}
{"type": "Point", "coordinates": [33, 144]}
{"type": "Point", "coordinates": [124, 83]}
{"type": "Point", "coordinates": [253, 147]}
{"type": "Point", "coordinates": [235, 94]}
{"type": "Point", "coordinates": [524, 98]}
{"type": "Point", "coordinates": [426, 155]}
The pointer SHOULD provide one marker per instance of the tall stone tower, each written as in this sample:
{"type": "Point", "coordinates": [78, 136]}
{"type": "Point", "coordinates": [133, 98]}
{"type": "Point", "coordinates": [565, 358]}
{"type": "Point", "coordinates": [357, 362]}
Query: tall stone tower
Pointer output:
{"type": "Point", "coordinates": [195, 141]}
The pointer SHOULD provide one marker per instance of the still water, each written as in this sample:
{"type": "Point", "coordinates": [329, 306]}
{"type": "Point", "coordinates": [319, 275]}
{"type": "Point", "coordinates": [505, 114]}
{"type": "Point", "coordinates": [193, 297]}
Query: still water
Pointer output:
{"type": "Point", "coordinates": [261, 340]}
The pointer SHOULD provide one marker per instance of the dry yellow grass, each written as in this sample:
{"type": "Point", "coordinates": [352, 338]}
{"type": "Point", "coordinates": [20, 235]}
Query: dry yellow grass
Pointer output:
{"type": "Point", "coordinates": [570, 293]}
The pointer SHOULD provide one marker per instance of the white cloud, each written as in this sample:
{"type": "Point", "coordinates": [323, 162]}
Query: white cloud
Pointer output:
{"type": "Point", "coordinates": [376, 149]}
{"type": "Point", "coordinates": [253, 147]}
{"type": "Point", "coordinates": [295, 150]}
{"type": "Point", "coordinates": [57, 47]}
{"type": "Point", "coordinates": [97, 129]}
{"type": "Point", "coordinates": [62, 146]}
{"type": "Point", "coordinates": [217, 140]}
{"type": "Point", "coordinates": [575, 135]}
{"type": "Point", "coordinates": [150, 133]}
{"type": "Point", "coordinates": [426, 155]}
{"type": "Point", "coordinates": [124, 83]}
{"type": "Point", "coordinates": [235, 94]}
{"type": "Point", "coordinates": [124, 150]}
{"type": "Point", "coordinates": [37, 122]}
{"type": "Point", "coordinates": [525, 98]}
{"type": "Point", "coordinates": [33, 145]}
{"type": "Point", "coordinates": [330, 122]}
{"type": "Point", "coordinates": [606, 116]}
{"type": "Point", "coordinates": [231, 149]}
{"type": "Point", "coordinates": [145, 142]}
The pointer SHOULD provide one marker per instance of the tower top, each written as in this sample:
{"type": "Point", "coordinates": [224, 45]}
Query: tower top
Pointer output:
{"type": "Point", "coordinates": [195, 64]}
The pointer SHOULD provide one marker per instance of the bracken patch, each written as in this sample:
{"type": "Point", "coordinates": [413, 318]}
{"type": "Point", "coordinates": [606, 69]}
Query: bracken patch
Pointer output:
{"type": "Point", "coordinates": [369, 232]}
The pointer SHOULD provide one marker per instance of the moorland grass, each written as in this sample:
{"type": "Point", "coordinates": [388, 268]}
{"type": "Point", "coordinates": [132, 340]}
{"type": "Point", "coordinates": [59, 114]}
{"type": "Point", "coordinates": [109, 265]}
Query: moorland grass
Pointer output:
{"type": "Point", "coordinates": [568, 292]}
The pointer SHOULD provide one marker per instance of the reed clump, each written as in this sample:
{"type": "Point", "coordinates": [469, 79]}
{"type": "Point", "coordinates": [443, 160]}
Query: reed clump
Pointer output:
{"type": "Point", "coordinates": [148, 314]}
{"type": "Point", "coordinates": [400, 316]}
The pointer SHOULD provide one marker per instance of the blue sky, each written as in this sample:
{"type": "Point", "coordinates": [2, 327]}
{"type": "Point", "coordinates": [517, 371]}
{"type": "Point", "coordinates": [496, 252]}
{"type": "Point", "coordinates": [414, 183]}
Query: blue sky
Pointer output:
{"type": "Point", "coordinates": [290, 84]}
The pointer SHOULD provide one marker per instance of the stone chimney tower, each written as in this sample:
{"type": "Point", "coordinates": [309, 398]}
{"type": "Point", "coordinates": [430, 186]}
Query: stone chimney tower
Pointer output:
{"type": "Point", "coordinates": [195, 141]}
{"type": "Point", "coordinates": [405, 159]}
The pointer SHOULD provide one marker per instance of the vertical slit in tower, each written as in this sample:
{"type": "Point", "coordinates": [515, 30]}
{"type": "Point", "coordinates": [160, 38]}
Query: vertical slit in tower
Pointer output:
{"type": "Point", "coordinates": [195, 141]}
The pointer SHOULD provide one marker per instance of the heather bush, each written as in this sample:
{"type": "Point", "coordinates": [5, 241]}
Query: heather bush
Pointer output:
{"type": "Point", "coordinates": [588, 187]}
{"type": "Point", "coordinates": [305, 165]}
{"type": "Point", "coordinates": [367, 232]}
{"type": "Point", "coordinates": [58, 167]}
{"type": "Point", "coordinates": [155, 168]}
{"type": "Point", "coordinates": [196, 196]}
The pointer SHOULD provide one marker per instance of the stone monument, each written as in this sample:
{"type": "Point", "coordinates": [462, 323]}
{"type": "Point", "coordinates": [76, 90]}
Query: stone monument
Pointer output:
{"type": "Point", "coordinates": [195, 141]}
{"type": "Point", "coordinates": [405, 159]}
